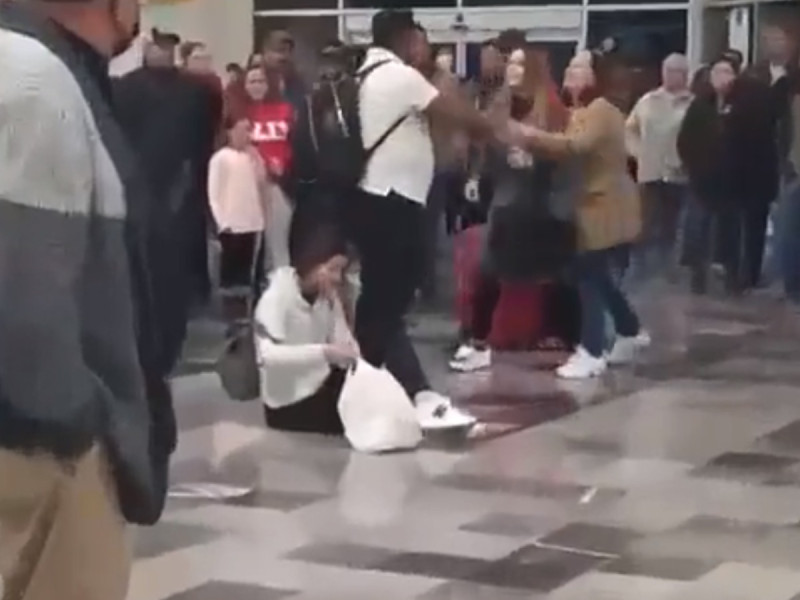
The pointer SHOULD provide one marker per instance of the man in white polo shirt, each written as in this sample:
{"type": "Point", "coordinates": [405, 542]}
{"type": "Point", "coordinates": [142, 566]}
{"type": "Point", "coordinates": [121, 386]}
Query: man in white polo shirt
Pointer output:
{"type": "Point", "coordinates": [388, 216]}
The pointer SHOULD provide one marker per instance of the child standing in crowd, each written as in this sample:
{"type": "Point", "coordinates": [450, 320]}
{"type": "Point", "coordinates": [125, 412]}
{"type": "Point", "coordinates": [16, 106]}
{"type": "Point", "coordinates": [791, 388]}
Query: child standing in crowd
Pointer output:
{"type": "Point", "coordinates": [303, 342]}
{"type": "Point", "coordinates": [237, 192]}
{"type": "Point", "coordinates": [272, 117]}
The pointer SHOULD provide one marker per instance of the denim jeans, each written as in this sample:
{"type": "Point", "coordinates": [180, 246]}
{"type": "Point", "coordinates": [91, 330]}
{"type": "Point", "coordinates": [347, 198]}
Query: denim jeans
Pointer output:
{"type": "Point", "coordinates": [600, 294]}
{"type": "Point", "coordinates": [788, 238]}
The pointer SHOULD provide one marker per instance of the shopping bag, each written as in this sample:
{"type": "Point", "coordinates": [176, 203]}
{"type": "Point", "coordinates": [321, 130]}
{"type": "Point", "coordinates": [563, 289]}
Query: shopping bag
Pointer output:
{"type": "Point", "coordinates": [376, 412]}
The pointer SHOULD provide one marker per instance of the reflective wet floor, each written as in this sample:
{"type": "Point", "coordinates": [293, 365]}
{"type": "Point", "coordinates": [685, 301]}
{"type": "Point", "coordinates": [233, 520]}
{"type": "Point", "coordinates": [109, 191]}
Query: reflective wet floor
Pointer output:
{"type": "Point", "coordinates": [675, 479]}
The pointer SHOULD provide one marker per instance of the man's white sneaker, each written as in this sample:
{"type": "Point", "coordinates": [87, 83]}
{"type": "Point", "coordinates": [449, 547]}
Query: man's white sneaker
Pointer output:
{"type": "Point", "coordinates": [436, 412]}
{"type": "Point", "coordinates": [626, 348]}
{"type": "Point", "coordinates": [464, 350]}
{"type": "Point", "coordinates": [476, 359]}
{"type": "Point", "coordinates": [582, 365]}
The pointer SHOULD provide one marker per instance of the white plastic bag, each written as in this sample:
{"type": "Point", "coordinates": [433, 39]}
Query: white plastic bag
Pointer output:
{"type": "Point", "coordinates": [376, 412]}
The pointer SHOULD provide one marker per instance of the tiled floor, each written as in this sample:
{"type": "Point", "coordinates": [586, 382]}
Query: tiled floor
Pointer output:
{"type": "Point", "coordinates": [677, 479]}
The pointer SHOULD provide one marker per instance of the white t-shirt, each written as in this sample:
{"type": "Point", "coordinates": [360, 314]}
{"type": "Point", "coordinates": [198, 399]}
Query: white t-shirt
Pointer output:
{"type": "Point", "coordinates": [291, 336]}
{"type": "Point", "coordinates": [404, 162]}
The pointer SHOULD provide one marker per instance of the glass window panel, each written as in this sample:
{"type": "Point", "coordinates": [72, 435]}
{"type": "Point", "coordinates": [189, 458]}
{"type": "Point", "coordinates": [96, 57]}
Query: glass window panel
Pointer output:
{"type": "Point", "coordinates": [295, 4]}
{"type": "Point", "coordinates": [644, 36]}
{"type": "Point", "coordinates": [400, 3]}
{"type": "Point", "coordinates": [310, 35]}
{"type": "Point", "coordinates": [517, 2]}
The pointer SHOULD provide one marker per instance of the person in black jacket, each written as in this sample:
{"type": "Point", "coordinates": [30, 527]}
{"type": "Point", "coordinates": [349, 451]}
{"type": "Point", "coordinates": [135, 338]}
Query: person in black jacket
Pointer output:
{"type": "Point", "coordinates": [164, 115]}
{"type": "Point", "coordinates": [728, 146]}
{"type": "Point", "coordinates": [704, 143]}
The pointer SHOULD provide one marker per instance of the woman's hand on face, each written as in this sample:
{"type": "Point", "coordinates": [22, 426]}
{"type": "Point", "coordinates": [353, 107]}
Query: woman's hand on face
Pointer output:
{"type": "Point", "coordinates": [275, 168]}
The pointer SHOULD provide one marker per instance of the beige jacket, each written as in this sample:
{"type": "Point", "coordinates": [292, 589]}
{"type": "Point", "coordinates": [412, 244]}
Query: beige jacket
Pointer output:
{"type": "Point", "coordinates": [608, 209]}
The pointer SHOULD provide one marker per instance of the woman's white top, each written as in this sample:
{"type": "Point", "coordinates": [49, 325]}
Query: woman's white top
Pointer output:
{"type": "Point", "coordinates": [291, 335]}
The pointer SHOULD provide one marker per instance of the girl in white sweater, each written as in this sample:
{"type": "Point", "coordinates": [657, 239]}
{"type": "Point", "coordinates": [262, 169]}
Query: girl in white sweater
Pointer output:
{"type": "Point", "coordinates": [303, 341]}
{"type": "Point", "coordinates": [237, 192]}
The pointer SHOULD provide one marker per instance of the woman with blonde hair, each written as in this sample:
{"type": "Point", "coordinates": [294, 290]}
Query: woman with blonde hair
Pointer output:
{"type": "Point", "coordinates": [528, 96]}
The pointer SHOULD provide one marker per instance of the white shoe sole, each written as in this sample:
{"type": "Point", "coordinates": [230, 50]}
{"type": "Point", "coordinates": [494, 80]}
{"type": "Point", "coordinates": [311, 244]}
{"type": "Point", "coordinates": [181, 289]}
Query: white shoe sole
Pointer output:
{"type": "Point", "coordinates": [434, 425]}
{"type": "Point", "coordinates": [594, 373]}
{"type": "Point", "coordinates": [462, 367]}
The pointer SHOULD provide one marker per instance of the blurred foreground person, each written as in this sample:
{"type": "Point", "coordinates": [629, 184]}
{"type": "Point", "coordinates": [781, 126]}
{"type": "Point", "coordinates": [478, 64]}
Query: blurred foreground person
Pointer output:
{"type": "Point", "coordinates": [86, 422]}
{"type": "Point", "coordinates": [164, 114]}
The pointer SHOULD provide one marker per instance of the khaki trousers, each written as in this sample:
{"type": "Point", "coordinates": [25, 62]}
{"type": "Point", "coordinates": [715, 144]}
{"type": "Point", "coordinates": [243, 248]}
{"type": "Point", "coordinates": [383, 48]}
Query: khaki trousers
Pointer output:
{"type": "Point", "coordinates": [62, 536]}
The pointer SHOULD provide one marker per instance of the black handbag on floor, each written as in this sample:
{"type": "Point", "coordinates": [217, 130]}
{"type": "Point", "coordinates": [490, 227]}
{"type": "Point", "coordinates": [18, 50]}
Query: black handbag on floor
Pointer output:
{"type": "Point", "coordinates": [237, 367]}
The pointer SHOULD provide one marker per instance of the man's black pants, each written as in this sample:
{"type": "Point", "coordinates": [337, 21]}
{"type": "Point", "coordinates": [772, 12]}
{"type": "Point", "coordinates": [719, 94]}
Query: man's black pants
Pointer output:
{"type": "Point", "coordinates": [389, 234]}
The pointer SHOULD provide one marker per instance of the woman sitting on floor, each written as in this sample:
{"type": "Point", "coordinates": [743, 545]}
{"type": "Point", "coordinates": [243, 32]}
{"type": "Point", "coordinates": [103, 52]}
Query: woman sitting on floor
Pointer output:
{"type": "Point", "coordinates": [304, 344]}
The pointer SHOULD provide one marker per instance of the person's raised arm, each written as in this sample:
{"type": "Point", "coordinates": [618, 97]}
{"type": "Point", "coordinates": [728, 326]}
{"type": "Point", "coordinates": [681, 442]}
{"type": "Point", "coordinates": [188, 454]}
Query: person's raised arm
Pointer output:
{"type": "Point", "coordinates": [581, 140]}
{"type": "Point", "coordinates": [46, 188]}
{"type": "Point", "coordinates": [448, 106]}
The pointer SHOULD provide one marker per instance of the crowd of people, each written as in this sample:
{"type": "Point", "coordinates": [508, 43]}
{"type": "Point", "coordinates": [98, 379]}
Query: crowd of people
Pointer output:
{"type": "Point", "coordinates": [111, 190]}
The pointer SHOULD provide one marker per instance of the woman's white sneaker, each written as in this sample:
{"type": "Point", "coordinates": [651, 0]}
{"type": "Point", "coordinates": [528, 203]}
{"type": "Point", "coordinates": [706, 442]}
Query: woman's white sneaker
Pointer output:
{"type": "Point", "coordinates": [626, 348]}
{"type": "Point", "coordinates": [436, 412]}
{"type": "Point", "coordinates": [582, 365]}
{"type": "Point", "coordinates": [471, 359]}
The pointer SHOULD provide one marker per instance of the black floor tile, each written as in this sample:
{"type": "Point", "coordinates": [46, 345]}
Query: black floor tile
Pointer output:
{"type": "Point", "coordinates": [351, 556]}
{"type": "Point", "coordinates": [438, 566]}
{"type": "Point", "coordinates": [537, 569]}
{"type": "Point", "coordinates": [221, 590]}
{"type": "Point", "coordinates": [745, 466]}
{"type": "Point", "coordinates": [591, 538]}
{"type": "Point", "coordinates": [675, 569]}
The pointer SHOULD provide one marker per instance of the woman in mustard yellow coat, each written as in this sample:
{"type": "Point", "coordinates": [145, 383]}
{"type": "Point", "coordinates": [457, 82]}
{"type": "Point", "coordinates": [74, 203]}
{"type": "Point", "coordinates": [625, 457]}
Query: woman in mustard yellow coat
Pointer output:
{"type": "Point", "coordinates": [607, 211]}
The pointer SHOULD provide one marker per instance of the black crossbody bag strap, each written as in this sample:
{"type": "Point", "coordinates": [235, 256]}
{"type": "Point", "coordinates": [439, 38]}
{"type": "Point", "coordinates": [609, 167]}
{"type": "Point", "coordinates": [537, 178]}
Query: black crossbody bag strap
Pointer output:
{"type": "Point", "coordinates": [362, 75]}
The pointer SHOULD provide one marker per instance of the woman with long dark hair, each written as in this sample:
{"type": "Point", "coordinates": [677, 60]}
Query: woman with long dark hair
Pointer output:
{"type": "Point", "coordinates": [528, 96]}
{"type": "Point", "coordinates": [706, 146]}
{"type": "Point", "coordinates": [607, 212]}
{"type": "Point", "coordinates": [272, 118]}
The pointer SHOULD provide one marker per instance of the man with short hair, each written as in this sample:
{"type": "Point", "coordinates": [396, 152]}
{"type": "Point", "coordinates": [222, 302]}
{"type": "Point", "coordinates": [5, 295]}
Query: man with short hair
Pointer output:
{"type": "Point", "coordinates": [652, 129]}
{"type": "Point", "coordinates": [388, 217]}
{"type": "Point", "coordinates": [278, 53]}
{"type": "Point", "coordinates": [85, 432]}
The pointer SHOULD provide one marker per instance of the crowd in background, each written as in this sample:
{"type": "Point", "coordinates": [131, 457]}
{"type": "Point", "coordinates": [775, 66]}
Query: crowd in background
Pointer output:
{"type": "Point", "coordinates": [712, 153]}
{"type": "Point", "coordinates": [564, 199]}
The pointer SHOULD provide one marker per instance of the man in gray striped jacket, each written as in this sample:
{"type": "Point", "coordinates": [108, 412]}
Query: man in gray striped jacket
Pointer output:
{"type": "Point", "coordinates": [86, 425]}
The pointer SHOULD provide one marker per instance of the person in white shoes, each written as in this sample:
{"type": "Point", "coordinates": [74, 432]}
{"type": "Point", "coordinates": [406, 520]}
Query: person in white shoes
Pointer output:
{"type": "Point", "coordinates": [304, 345]}
{"type": "Point", "coordinates": [386, 216]}
{"type": "Point", "coordinates": [607, 212]}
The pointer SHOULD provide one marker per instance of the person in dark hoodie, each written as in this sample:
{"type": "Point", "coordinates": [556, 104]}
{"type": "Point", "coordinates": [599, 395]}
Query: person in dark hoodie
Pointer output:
{"type": "Point", "coordinates": [163, 113]}
{"type": "Point", "coordinates": [728, 147]}
{"type": "Point", "coordinates": [278, 55]}
{"type": "Point", "coordinates": [86, 422]}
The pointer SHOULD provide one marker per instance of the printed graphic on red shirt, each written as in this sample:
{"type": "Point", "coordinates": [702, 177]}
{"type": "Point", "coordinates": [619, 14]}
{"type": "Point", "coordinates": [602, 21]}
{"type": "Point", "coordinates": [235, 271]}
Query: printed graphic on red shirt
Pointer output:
{"type": "Point", "coordinates": [272, 123]}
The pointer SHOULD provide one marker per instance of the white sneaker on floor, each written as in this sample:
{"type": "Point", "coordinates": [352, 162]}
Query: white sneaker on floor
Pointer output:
{"type": "Point", "coordinates": [436, 412]}
{"type": "Point", "coordinates": [474, 359]}
{"type": "Point", "coordinates": [626, 348]}
{"type": "Point", "coordinates": [464, 350]}
{"type": "Point", "coordinates": [582, 365]}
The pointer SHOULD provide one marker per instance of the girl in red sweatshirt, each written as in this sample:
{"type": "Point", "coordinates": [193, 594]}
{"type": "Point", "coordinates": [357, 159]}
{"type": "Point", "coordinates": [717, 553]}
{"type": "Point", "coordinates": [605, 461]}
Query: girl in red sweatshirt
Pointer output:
{"type": "Point", "coordinates": [271, 118]}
